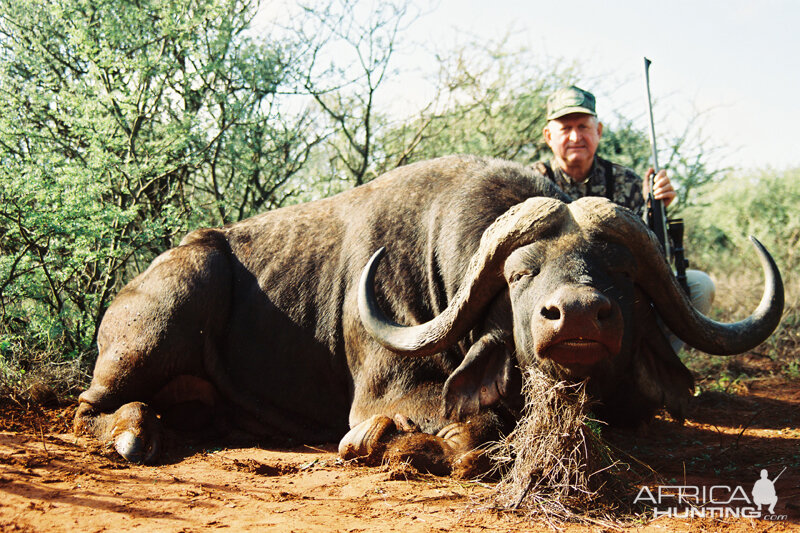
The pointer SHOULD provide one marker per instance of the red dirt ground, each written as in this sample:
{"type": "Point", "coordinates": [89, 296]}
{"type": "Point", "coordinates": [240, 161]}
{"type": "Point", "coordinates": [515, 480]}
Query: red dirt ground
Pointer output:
{"type": "Point", "coordinates": [51, 481]}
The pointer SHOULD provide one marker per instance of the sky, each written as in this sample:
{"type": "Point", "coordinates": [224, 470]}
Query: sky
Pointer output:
{"type": "Point", "coordinates": [735, 64]}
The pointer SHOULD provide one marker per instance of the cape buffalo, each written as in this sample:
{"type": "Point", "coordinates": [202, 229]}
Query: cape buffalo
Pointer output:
{"type": "Point", "coordinates": [487, 270]}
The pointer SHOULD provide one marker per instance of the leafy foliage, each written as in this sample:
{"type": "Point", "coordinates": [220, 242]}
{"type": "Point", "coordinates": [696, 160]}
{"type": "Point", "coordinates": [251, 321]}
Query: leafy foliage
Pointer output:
{"type": "Point", "coordinates": [762, 204]}
{"type": "Point", "coordinates": [120, 128]}
{"type": "Point", "coordinates": [345, 85]}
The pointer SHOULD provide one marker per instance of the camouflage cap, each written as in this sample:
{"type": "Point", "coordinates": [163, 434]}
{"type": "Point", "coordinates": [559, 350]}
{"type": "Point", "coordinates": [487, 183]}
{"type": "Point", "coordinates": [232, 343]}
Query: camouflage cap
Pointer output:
{"type": "Point", "coordinates": [570, 100]}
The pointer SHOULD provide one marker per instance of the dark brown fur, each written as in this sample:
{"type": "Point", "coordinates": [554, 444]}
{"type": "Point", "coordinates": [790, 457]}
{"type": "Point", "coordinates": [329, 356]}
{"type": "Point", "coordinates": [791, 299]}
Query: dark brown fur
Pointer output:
{"type": "Point", "coordinates": [265, 310]}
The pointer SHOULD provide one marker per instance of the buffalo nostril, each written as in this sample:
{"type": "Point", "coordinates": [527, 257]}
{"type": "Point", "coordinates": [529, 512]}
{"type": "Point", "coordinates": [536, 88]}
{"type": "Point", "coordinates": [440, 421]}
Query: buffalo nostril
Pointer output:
{"type": "Point", "coordinates": [551, 313]}
{"type": "Point", "coordinates": [604, 309]}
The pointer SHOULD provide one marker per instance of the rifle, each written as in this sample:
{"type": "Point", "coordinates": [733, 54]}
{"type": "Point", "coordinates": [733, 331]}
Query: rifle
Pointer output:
{"type": "Point", "coordinates": [668, 231]}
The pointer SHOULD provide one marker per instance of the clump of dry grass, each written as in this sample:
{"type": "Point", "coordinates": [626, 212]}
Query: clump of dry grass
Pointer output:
{"type": "Point", "coordinates": [554, 465]}
{"type": "Point", "coordinates": [42, 379]}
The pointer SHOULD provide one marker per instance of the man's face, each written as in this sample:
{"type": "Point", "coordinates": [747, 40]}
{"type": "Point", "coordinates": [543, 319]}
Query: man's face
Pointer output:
{"type": "Point", "coordinates": [573, 139]}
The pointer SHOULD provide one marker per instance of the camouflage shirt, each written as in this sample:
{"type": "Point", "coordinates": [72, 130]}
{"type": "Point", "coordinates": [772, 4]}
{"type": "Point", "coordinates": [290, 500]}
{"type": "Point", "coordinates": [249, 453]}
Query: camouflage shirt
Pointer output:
{"type": "Point", "coordinates": [627, 188]}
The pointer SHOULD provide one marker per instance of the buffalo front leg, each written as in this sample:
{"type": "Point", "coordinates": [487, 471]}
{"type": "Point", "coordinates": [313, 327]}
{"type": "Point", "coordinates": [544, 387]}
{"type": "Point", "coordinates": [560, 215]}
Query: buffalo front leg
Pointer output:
{"type": "Point", "coordinates": [367, 441]}
{"type": "Point", "coordinates": [454, 450]}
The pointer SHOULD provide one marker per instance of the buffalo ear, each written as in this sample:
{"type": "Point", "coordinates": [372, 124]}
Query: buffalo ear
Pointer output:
{"type": "Point", "coordinates": [658, 373]}
{"type": "Point", "coordinates": [487, 374]}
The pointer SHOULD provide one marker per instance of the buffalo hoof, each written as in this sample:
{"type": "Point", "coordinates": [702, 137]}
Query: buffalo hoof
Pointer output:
{"type": "Point", "coordinates": [474, 464]}
{"type": "Point", "coordinates": [424, 452]}
{"type": "Point", "coordinates": [469, 461]}
{"type": "Point", "coordinates": [136, 433]}
{"type": "Point", "coordinates": [457, 436]}
{"type": "Point", "coordinates": [366, 441]}
{"type": "Point", "coordinates": [134, 448]}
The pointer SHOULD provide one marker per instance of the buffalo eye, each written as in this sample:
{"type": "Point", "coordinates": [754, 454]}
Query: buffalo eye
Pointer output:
{"type": "Point", "coordinates": [626, 273]}
{"type": "Point", "coordinates": [516, 276]}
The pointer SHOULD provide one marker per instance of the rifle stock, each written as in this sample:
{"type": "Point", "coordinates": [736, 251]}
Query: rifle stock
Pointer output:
{"type": "Point", "coordinates": [657, 221]}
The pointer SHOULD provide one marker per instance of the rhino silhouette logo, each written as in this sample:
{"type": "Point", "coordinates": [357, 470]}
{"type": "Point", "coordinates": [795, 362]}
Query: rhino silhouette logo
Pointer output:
{"type": "Point", "coordinates": [764, 491]}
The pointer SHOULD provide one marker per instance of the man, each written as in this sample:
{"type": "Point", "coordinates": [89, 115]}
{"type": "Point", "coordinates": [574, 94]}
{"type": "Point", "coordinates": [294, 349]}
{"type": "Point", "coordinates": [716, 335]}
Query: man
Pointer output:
{"type": "Point", "coordinates": [573, 134]}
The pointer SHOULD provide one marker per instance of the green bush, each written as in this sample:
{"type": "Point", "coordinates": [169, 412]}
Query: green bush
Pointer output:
{"type": "Point", "coordinates": [763, 204]}
{"type": "Point", "coordinates": [121, 128]}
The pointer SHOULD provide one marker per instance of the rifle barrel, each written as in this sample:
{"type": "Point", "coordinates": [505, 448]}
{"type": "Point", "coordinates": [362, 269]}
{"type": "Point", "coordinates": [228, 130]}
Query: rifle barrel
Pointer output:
{"type": "Point", "coordinates": [657, 214]}
{"type": "Point", "coordinates": [650, 111]}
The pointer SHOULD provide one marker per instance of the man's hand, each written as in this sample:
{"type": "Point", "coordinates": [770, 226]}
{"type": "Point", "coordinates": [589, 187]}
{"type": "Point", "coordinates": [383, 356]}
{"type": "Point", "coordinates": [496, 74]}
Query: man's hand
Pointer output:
{"type": "Point", "coordinates": [662, 187]}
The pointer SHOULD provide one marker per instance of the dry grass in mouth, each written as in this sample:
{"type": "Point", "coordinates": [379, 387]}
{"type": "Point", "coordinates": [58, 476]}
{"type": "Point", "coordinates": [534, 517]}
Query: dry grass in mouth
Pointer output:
{"type": "Point", "coordinates": [554, 466]}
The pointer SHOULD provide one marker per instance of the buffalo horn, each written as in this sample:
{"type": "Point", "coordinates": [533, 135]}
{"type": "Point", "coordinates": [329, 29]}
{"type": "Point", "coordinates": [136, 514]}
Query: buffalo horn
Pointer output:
{"type": "Point", "coordinates": [658, 282]}
{"type": "Point", "coordinates": [520, 225]}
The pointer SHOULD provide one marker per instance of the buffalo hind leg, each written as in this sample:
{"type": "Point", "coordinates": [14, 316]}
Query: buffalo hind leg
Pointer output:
{"type": "Point", "coordinates": [133, 430]}
{"type": "Point", "coordinates": [152, 346]}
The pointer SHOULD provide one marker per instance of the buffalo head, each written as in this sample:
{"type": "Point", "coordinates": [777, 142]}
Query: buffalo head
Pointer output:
{"type": "Point", "coordinates": [582, 280]}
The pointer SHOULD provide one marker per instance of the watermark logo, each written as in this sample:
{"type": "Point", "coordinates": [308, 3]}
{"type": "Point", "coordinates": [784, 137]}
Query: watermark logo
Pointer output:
{"type": "Point", "coordinates": [717, 501]}
{"type": "Point", "coordinates": [764, 491]}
